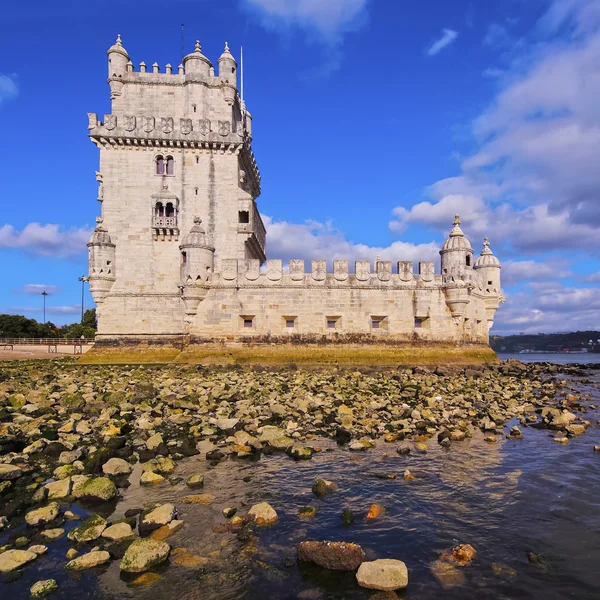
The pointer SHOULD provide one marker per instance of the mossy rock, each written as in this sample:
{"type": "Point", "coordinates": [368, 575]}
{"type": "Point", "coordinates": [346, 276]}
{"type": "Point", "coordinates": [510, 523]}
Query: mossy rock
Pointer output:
{"type": "Point", "coordinates": [99, 489]}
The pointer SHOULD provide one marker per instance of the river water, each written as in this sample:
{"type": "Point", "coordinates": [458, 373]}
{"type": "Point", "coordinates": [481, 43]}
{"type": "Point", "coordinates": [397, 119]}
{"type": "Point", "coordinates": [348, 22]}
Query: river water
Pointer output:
{"type": "Point", "coordinates": [505, 499]}
{"type": "Point", "coordinates": [562, 358]}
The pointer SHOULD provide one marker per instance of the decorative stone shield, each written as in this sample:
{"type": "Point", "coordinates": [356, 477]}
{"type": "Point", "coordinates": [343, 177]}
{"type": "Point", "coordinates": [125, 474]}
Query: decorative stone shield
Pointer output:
{"type": "Point", "coordinates": [252, 269]}
{"type": "Point", "coordinates": [319, 270]}
{"type": "Point", "coordinates": [405, 270]}
{"type": "Point", "coordinates": [110, 121]}
{"type": "Point", "coordinates": [296, 270]}
{"type": "Point", "coordinates": [363, 270]}
{"type": "Point", "coordinates": [340, 270]}
{"type": "Point", "coordinates": [166, 124]}
{"type": "Point", "coordinates": [229, 269]}
{"type": "Point", "coordinates": [274, 269]}
{"type": "Point", "coordinates": [384, 270]}
{"type": "Point", "coordinates": [426, 271]}
{"type": "Point", "coordinates": [204, 126]}
{"type": "Point", "coordinates": [186, 126]}
{"type": "Point", "coordinates": [224, 128]}
{"type": "Point", "coordinates": [148, 124]}
{"type": "Point", "coordinates": [129, 123]}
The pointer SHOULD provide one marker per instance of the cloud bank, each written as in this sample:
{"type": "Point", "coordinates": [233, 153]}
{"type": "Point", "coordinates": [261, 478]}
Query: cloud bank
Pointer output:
{"type": "Point", "coordinates": [46, 240]}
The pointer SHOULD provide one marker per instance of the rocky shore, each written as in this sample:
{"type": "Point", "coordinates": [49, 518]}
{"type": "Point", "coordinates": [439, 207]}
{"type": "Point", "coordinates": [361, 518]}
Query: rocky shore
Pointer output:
{"type": "Point", "coordinates": [72, 434]}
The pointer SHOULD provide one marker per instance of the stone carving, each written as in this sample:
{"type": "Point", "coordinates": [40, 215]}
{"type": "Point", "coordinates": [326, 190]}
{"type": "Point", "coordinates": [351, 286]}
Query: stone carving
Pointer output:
{"type": "Point", "coordinates": [319, 270]}
{"type": "Point", "coordinates": [148, 124]}
{"type": "Point", "coordinates": [204, 126]}
{"type": "Point", "coordinates": [363, 270]}
{"type": "Point", "coordinates": [130, 122]}
{"type": "Point", "coordinates": [426, 271]}
{"type": "Point", "coordinates": [185, 126]}
{"type": "Point", "coordinates": [384, 270]}
{"type": "Point", "coordinates": [166, 124]}
{"type": "Point", "coordinates": [274, 269]}
{"type": "Point", "coordinates": [296, 270]}
{"type": "Point", "coordinates": [252, 269]}
{"type": "Point", "coordinates": [229, 269]}
{"type": "Point", "coordinates": [224, 128]}
{"type": "Point", "coordinates": [405, 270]}
{"type": "Point", "coordinates": [100, 197]}
{"type": "Point", "coordinates": [92, 120]}
{"type": "Point", "coordinates": [110, 121]}
{"type": "Point", "coordinates": [340, 270]}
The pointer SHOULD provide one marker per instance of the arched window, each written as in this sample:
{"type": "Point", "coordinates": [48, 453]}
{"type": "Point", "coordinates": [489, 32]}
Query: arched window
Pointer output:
{"type": "Point", "coordinates": [468, 260]}
{"type": "Point", "coordinates": [169, 210]}
{"type": "Point", "coordinates": [160, 165]}
{"type": "Point", "coordinates": [170, 165]}
{"type": "Point", "coordinates": [159, 210]}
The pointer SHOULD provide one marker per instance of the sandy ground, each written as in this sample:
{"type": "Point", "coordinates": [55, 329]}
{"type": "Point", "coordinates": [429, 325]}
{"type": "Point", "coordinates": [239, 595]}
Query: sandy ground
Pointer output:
{"type": "Point", "coordinates": [30, 352]}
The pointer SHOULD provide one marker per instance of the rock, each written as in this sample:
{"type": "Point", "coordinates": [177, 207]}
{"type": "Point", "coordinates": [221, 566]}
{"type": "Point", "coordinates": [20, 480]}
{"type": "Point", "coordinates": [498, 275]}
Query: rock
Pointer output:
{"type": "Point", "coordinates": [164, 466]}
{"type": "Point", "coordinates": [299, 452]}
{"type": "Point", "coordinates": [557, 419]}
{"type": "Point", "coordinates": [384, 574]}
{"type": "Point", "coordinates": [58, 489]}
{"type": "Point", "coordinates": [227, 425]}
{"type": "Point", "coordinates": [186, 559]}
{"type": "Point", "coordinates": [229, 512]}
{"type": "Point", "coordinates": [461, 555]}
{"type": "Point", "coordinates": [40, 589]}
{"type": "Point", "coordinates": [575, 429]}
{"type": "Point", "coordinates": [263, 514]}
{"type": "Point", "coordinates": [515, 433]}
{"type": "Point", "coordinates": [195, 481]}
{"type": "Point", "coordinates": [89, 530]}
{"type": "Point", "coordinates": [71, 553]}
{"type": "Point", "coordinates": [408, 476]}
{"type": "Point", "coordinates": [322, 487]}
{"type": "Point", "coordinates": [53, 534]}
{"type": "Point", "coordinates": [38, 549]}
{"type": "Point", "coordinates": [443, 435]}
{"type": "Point", "coordinates": [161, 515]}
{"type": "Point", "coordinates": [562, 440]}
{"type": "Point", "coordinates": [457, 436]}
{"type": "Point", "coordinates": [490, 439]}
{"type": "Point", "coordinates": [375, 511]}
{"type": "Point", "coordinates": [154, 441]}
{"type": "Point", "coordinates": [118, 531]}
{"type": "Point", "coordinates": [146, 579]}
{"type": "Point", "coordinates": [596, 448]}
{"type": "Point", "coordinates": [41, 516]}
{"type": "Point", "coordinates": [421, 447]}
{"type": "Point", "coordinates": [14, 559]}
{"type": "Point", "coordinates": [144, 554]}
{"type": "Point", "coordinates": [150, 478]}
{"type": "Point", "coordinates": [88, 561]}
{"type": "Point", "coordinates": [22, 541]}
{"type": "Point", "coordinates": [198, 499]}
{"type": "Point", "coordinates": [306, 512]}
{"type": "Point", "coordinates": [358, 446]}
{"type": "Point", "coordinates": [447, 575]}
{"type": "Point", "coordinates": [98, 488]}
{"type": "Point", "coordinates": [9, 472]}
{"type": "Point", "coordinates": [337, 556]}
{"type": "Point", "coordinates": [347, 517]}
{"type": "Point", "coordinates": [116, 466]}
{"type": "Point", "coordinates": [68, 457]}
{"type": "Point", "coordinates": [166, 531]}
{"type": "Point", "coordinates": [403, 450]}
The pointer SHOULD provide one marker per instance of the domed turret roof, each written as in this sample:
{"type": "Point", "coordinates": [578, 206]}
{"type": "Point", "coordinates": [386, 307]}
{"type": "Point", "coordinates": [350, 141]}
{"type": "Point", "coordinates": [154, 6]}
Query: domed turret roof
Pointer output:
{"type": "Point", "coordinates": [196, 55]}
{"type": "Point", "coordinates": [486, 258]}
{"type": "Point", "coordinates": [118, 47]}
{"type": "Point", "coordinates": [227, 54]}
{"type": "Point", "coordinates": [196, 238]}
{"type": "Point", "coordinates": [100, 235]}
{"type": "Point", "coordinates": [457, 240]}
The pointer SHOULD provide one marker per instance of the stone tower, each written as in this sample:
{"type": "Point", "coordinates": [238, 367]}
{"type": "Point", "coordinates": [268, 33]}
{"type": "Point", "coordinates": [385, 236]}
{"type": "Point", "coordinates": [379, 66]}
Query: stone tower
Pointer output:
{"type": "Point", "coordinates": [175, 147]}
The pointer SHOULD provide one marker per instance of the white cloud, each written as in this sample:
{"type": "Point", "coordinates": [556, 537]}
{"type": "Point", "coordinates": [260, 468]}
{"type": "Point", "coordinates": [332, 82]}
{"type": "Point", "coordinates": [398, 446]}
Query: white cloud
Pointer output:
{"type": "Point", "coordinates": [46, 240]}
{"type": "Point", "coordinates": [515, 271]}
{"type": "Point", "coordinates": [330, 18]}
{"type": "Point", "coordinates": [314, 240]}
{"type": "Point", "coordinates": [448, 36]}
{"type": "Point", "coordinates": [8, 87]}
{"type": "Point", "coordinates": [38, 288]}
{"type": "Point", "coordinates": [72, 309]}
{"type": "Point", "coordinates": [592, 278]}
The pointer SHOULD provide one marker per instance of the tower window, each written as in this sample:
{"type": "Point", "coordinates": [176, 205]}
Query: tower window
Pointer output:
{"type": "Point", "coordinates": [418, 323]}
{"type": "Point", "coordinates": [197, 160]}
{"type": "Point", "coordinates": [170, 165]}
{"type": "Point", "coordinates": [160, 165]}
{"type": "Point", "coordinates": [169, 210]}
{"type": "Point", "coordinates": [332, 322]}
{"type": "Point", "coordinates": [290, 322]}
{"type": "Point", "coordinates": [248, 322]}
{"type": "Point", "coordinates": [183, 258]}
{"type": "Point", "coordinates": [243, 216]}
{"type": "Point", "coordinates": [159, 210]}
{"type": "Point", "coordinates": [468, 260]}
{"type": "Point", "coordinates": [489, 283]}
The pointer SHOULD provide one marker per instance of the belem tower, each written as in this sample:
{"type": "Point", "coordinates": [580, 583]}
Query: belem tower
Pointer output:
{"type": "Point", "coordinates": [178, 254]}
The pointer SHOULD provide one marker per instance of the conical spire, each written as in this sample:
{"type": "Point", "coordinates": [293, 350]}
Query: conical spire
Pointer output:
{"type": "Point", "coordinates": [456, 230]}
{"type": "Point", "coordinates": [486, 258]}
{"type": "Point", "coordinates": [118, 47]}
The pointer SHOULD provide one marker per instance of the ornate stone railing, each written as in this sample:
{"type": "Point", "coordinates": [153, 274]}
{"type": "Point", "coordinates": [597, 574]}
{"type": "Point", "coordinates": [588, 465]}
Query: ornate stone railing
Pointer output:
{"type": "Point", "coordinates": [165, 222]}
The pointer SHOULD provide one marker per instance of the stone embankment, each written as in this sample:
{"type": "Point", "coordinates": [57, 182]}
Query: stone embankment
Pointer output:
{"type": "Point", "coordinates": [71, 434]}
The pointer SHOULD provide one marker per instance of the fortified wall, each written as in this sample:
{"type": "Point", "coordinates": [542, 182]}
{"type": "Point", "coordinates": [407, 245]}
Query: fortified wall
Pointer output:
{"type": "Point", "coordinates": [179, 251]}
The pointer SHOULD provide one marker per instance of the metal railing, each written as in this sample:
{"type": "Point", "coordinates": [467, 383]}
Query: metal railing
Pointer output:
{"type": "Point", "coordinates": [46, 341]}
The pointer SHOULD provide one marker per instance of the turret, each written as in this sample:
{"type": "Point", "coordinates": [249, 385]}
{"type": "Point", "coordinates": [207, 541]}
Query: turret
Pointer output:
{"type": "Point", "coordinates": [197, 64]}
{"type": "Point", "coordinates": [197, 261]}
{"type": "Point", "coordinates": [101, 260]}
{"type": "Point", "coordinates": [228, 75]}
{"type": "Point", "coordinates": [457, 255]}
{"type": "Point", "coordinates": [117, 67]}
{"type": "Point", "coordinates": [488, 268]}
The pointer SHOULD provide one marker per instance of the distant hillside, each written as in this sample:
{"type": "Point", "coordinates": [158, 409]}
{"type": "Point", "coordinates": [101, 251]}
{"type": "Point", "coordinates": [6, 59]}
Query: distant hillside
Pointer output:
{"type": "Point", "coordinates": [547, 342]}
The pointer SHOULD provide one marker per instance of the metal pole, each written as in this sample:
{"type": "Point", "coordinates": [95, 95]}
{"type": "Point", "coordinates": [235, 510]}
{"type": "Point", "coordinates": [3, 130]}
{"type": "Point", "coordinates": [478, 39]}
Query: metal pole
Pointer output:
{"type": "Point", "coordinates": [44, 294]}
{"type": "Point", "coordinates": [242, 74]}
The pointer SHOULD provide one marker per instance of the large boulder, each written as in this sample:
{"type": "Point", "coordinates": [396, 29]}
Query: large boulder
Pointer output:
{"type": "Point", "coordinates": [161, 515]}
{"type": "Point", "coordinates": [89, 560]}
{"type": "Point", "coordinates": [99, 489]}
{"type": "Point", "coordinates": [41, 589]}
{"type": "Point", "coordinates": [9, 472]}
{"type": "Point", "coordinates": [385, 574]}
{"type": "Point", "coordinates": [144, 554]}
{"type": "Point", "coordinates": [89, 530]}
{"type": "Point", "coordinates": [13, 559]}
{"type": "Point", "coordinates": [337, 556]}
{"type": "Point", "coordinates": [116, 466]}
{"type": "Point", "coordinates": [59, 489]}
{"type": "Point", "coordinates": [118, 531]}
{"type": "Point", "coordinates": [263, 514]}
{"type": "Point", "coordinates": [43, 515]}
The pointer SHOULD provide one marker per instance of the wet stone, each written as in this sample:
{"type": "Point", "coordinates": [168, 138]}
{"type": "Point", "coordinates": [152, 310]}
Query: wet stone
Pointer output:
{"type": "Point", "coordinates": [337, 556]}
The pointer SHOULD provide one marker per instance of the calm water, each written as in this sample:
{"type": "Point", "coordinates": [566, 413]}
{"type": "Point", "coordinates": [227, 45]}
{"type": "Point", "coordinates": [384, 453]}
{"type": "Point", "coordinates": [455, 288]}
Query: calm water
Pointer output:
{"type": "Point", "coordinates": [561, 359]}
{"type": "Point", "coordinates": [505, 499]}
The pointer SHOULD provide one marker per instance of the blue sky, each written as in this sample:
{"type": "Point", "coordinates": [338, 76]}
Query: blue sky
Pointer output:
{"type": "Point", "coordinates": [374, 122]}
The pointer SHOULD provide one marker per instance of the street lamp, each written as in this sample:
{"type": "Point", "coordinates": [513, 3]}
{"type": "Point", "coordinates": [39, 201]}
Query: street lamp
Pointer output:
{"type": "Point", "coordinates": [83, 280]}
{"type": "Point", "coordinates": [44, 294]}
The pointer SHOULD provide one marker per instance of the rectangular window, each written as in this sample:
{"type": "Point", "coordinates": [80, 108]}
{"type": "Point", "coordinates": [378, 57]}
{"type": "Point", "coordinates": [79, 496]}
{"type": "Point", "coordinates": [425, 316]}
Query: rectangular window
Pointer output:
{"type": "Point", "coordinates": [290, 323]}
{"type": "Point", "coordinates": [248, 322]}
{"type": "Point", "coordinates": [418, 323]}
{"type": "Point", "coordinates": [243, 216]}
{"type": "Point", "coordinates": [489, 283]}
{"type": "Point", "coordinates": [375, 324]}
{"type": "Point", "coordinates": [332, 322]}
{"type": "Point", "coordinates": [378, 322]}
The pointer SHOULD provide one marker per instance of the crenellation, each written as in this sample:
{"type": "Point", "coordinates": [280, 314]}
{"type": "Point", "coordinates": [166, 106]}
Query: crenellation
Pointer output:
{"type": "Point", "coordinates": [178, 251]}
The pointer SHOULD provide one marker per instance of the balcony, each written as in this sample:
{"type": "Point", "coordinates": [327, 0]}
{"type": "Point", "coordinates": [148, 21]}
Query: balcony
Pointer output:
{"type": "Point", "coordinates": [165, 222]}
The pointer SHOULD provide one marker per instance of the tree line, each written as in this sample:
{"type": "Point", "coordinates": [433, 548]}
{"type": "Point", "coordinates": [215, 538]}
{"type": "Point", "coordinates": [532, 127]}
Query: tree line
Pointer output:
{"type": "Point", "coordinates": [547, 342]}
{"type": "Point", "coordinates": [18, 326]}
